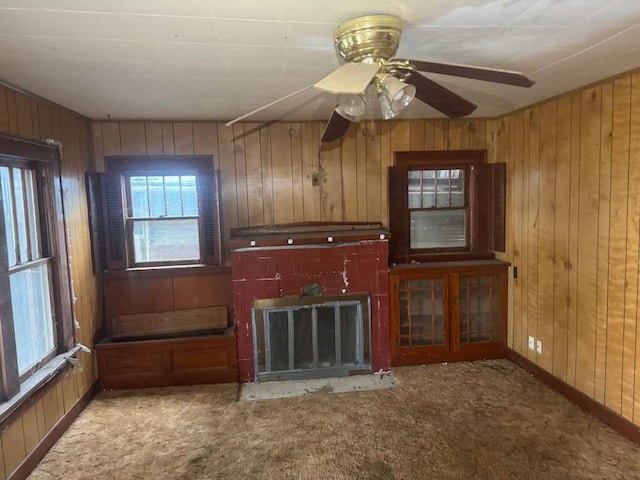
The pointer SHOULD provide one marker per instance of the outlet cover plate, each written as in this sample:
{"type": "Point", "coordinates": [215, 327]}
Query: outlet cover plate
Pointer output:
{"type": "Point", "coordinates": [539, 347]}
{"type": "Point", "coordinates": [532, 343]}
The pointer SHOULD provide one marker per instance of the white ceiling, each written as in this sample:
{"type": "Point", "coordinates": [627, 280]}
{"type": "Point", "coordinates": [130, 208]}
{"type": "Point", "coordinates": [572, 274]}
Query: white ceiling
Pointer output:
{"type": "Point", "coordinates": [218, 59]}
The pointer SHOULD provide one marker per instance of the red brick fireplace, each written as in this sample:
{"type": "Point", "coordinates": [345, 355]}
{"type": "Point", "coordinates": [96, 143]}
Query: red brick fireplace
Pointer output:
{"type": "Point", "coordinates": [284, 260]}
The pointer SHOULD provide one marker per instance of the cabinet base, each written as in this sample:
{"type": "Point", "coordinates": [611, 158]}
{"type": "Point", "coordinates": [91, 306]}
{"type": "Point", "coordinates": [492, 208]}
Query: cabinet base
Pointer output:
{"type": "Point", "coordinates": [166, 362]}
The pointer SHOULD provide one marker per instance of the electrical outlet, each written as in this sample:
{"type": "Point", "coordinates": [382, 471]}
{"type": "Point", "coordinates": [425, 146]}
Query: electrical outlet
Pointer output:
{"type": "Point", "coordinates": [532, 343]}
{"type": "Point", "coordinates": [539, 347]}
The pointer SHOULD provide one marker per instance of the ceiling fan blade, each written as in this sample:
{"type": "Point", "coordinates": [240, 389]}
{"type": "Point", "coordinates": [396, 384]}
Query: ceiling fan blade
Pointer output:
{"type": "Point", "coordinates": [439, 97]}
{"type": "Point", "coordinates": [350, 78]}
{"type": "Point", "coordinates": [477, 73]}
{"type": "Point", "coordinates": [336, 127]}
{"type": "Point", "coordinates": [264, 107]}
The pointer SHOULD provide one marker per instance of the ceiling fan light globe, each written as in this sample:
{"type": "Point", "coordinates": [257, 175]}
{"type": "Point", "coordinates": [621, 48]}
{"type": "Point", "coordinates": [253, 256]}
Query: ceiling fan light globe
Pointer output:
{"type": "Point", "coordinates": [398, 93]}
{"type": "Point", "coordinates": [351, 105]}
{"type": "Point", "coordinates": [403, 98]}
{"type": "Point", "coordinates": [385, 107]}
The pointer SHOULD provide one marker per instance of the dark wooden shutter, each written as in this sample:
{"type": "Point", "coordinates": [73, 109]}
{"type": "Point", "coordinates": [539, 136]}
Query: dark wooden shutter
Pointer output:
{"type": "Point", "coordinates": [210, 214]}
{"type": "Point", "coordinates": [398, 214]}
{"type": "Point", "coordinates": [114, 224]}
{"type": "Point", "coordinates": [489, 185]}
{"type": "Point", "coordinates": [96, 221]}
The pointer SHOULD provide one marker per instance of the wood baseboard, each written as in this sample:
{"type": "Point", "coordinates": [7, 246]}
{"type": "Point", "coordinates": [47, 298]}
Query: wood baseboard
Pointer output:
{"type": "Point", "coordinates": [588, 404]}
{"type": "Point", "coordinates": [38, 453]}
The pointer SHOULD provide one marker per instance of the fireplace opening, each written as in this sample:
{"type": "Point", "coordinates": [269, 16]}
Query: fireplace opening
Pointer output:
{"type": "Point", "coordinates": [311, 337]}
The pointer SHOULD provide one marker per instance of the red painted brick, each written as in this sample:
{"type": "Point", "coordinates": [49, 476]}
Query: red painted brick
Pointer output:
{"type": "Point", "coordinates": [274, 273]}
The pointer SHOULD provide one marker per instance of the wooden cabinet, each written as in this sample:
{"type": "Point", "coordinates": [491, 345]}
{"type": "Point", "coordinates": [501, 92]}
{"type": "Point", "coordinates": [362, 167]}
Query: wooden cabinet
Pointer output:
{"type": "Point", "coordinates": [162, 362]}
{"type": "Point", "coordinates": [448, 311]}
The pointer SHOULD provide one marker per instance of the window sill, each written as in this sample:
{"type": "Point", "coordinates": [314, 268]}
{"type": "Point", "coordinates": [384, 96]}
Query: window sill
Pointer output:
{"type": "Point", "coordinates": [33, 385]}
{"type": "Point", "coordinates": [441, 257]}
{"type": "Point", "coordinates": [164, 271]}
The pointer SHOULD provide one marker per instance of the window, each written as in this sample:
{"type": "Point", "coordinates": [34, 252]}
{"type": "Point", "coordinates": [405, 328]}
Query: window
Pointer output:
{"type": "Point", "coordinates": [438, 208]}
{"type": "Point", "coordinates": [158, 211]}
{"type": "Point", "coordinates": [163, 218]}
{"type": "Point", "coordinates": [35, 317]}
{"type": "Point", "coordinates": [449, 203]}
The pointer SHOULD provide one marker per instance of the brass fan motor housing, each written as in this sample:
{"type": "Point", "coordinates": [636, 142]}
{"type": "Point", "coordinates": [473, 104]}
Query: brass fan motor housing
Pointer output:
{"type": "Point", "coordinates": [370, 39]}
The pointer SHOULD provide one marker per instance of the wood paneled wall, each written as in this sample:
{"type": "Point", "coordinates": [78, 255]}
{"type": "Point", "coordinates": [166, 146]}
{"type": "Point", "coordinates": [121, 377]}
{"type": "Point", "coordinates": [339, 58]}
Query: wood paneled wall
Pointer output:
{"type": "Point", "coordinates": [38, 119]}
{"type": "Point", "coordinates": [267, 170]}
{"type": "Point", "coordinates": [574, 211]}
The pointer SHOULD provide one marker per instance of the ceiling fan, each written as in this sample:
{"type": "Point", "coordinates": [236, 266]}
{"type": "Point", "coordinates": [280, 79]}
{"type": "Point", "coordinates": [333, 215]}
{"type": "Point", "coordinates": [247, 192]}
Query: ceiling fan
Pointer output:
{"type": "Point", "coordinates": [366, 47]}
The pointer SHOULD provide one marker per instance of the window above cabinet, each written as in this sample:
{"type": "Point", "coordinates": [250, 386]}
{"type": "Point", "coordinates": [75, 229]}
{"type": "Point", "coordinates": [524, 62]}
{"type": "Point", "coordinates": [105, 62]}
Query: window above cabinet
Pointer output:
{"type": "Point", "coordinates": [445, 202]}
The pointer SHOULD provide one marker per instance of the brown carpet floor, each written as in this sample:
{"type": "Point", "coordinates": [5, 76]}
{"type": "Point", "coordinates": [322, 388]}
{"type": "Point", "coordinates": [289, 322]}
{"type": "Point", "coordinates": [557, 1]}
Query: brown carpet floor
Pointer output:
{"type": "Point", "coordinates": [483, 420]}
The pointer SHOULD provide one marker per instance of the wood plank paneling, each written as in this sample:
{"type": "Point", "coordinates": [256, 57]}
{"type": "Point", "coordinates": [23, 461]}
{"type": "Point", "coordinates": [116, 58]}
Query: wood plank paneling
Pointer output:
{"type": "Point", "coordinates": [588, 198]}
{"type": "Point", "coordinates": [631, 274]}
{"type": "Point", "coordinates": [330, 164]}
{"type": "Point", "coordinates": [606, 127]}
{"type": "Point", "coordinates": [310, 168]}
{"type": "Point", "coordinates": [580, 238]}
{"type": "Point", "coordinates": [282, 173]}
{"type": "Point", "coordinates": [546, 232]}
{"type": "Point", "coordinates": [241, 174]}
{"type": "Point", "coordinates": [153, 138]}
{"type": "Point", "coordinates": [533, 221]}
{"type": "Point", "coordinates": [574, 216]}
{"type": "Point", "coordinates": [374, 205]}
{"type": "Point", "coordinates": [255, 195]}
{"type": "Point", "coordinates": [297, 172]}
{"type": "Point", "coordinates": [617, 242]}
{"type": "Point", "coordinates": [561, 265]}
{"type": "Point", "coordinates": [516, 289]}
{"type": "Point", "coordinates": [349, 175]}
{"type": "Point", "coordinates": [13, 449]}
{"type": "Point", "coordinates": [133, 138]}
{"type": "Point", "coordinates": [167, 139]}
{"type": "Point", "coordinates": [183, 138]}
{"type": "Point", "coordinates": [4, 110]}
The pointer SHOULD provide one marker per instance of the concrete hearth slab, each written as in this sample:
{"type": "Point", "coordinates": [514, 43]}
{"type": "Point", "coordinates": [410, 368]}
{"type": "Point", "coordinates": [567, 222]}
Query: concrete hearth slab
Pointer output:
{"type": "Point", "coordinates": [316, 386]}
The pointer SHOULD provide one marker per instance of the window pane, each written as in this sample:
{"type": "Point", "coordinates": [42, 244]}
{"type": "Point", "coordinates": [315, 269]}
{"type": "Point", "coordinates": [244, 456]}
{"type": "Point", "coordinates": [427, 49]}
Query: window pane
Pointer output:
{"type": "Point", "coordinates": [18, 189]}
{"type": "Point", "coordinates": [8, 215]}
{"type": "Point", "coordinates": [172, 192]}
{"type": "Point", "coordinates": [457, 188]}
{"type": "Point", "coordinates": [414, 188]}
{"type": "Point", "coordinates": [32, 210]}
{"type": "Point", "coordinates": [442, 189]}
{"type": "Point", "coordinates": [32, 317]}
{"type": "Point", "coordinates": [166, 240]}
{"type": "Point", "coordinates": [163, 196]}
{"type": "Point", "coordinates": [189, 195]}
{"type": "Point", "coordinates": [156, 196]}
{"type": "Point", "coordinates": [428, 188]}
{"type": "Point", "coordinates": [438, 228]}
{"type": "Point", "coordinates": [139, 198]}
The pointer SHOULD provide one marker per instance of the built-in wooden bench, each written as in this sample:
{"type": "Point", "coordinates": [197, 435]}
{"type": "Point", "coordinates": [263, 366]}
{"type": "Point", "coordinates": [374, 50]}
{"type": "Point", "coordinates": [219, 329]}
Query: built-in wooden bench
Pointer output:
{"type": "Point", "coordinates": [183, 347]}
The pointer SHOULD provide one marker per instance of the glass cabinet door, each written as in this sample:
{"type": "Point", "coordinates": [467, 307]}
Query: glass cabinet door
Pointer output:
{"type": "Point", "coordinates": [448, 311]}
{"type": "Point", "coordinates": [422, 312]}
{"type": "Point", "coordinates": [479, 309]}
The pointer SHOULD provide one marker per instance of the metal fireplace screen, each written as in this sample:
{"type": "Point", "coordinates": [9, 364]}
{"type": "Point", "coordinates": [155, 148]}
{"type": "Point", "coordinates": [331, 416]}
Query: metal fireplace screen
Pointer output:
{"type": "Point", "coordinates": [311, 337]}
